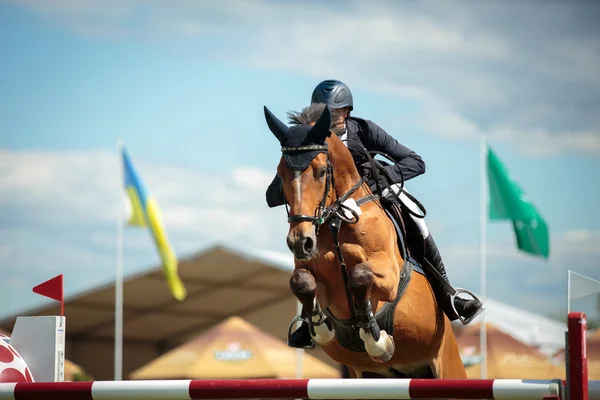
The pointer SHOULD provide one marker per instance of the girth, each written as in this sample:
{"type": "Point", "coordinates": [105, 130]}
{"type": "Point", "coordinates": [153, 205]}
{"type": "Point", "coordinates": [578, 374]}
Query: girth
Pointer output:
{"type": "Point", "coordinates": [346, 333]}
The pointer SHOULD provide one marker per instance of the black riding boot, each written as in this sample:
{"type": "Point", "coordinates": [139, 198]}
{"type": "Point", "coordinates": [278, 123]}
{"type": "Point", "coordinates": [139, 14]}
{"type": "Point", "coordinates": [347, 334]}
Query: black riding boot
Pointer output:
{"type": "Point", "coordinates": [467, 309]}
{"type": "Point", "coordinates": [301, 338]}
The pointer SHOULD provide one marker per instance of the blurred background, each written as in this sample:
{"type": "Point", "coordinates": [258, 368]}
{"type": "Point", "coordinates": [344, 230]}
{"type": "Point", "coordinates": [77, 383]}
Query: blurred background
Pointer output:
{"type": "Point", "coordinates": [183, 85]}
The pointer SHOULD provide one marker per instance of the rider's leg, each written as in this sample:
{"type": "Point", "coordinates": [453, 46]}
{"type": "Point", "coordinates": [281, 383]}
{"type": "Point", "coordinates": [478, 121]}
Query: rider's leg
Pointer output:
{"type": "Point", "coordinates": [467, 309]}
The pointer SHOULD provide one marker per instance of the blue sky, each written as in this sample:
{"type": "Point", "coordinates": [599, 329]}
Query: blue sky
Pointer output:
{"type": "Point", "coordinates": [184, 85]}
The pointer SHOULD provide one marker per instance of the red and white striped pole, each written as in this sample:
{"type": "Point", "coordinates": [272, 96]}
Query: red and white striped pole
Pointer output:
{"type": "Point", "coordinates": [284, 389]}
{"type": "Point", "coordinates": [578, 387]}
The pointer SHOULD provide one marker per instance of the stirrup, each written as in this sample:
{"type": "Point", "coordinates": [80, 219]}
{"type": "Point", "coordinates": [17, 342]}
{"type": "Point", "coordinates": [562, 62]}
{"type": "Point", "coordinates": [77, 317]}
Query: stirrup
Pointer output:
{"type": "Point", "coordinates": [298, 318]}
{"type": "Point", "coordinates": [465, 321]}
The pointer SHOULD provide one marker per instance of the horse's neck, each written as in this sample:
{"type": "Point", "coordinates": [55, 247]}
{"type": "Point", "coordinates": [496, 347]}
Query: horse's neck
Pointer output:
{"type": "Point", "coordinates": [345, 173]}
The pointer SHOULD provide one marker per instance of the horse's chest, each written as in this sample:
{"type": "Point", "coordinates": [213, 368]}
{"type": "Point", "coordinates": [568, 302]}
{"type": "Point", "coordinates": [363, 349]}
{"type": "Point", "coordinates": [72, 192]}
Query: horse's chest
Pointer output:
{"type": "Point", "coordinates": [327, 267]}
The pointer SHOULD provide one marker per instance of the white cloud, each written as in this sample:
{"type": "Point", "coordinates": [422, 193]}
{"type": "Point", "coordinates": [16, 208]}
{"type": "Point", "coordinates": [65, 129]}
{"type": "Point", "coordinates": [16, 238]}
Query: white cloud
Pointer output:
{"type": "Point", "coordinates": [477, 68]}
{"type": "Point", "coordinates": [540, 142]}
{"type": "Point", "coordinates": [85, 188]}
{"type": "Point", "coordinates": [525, 280]}
{"type": "Point", "coordinates": [58, 214]}
{"type": "Point", "coordinates": [439, 119]}
{"type": "Point", "coordinates": [253, 179]}
{"type": "Point", "coordinates": [582, 242]}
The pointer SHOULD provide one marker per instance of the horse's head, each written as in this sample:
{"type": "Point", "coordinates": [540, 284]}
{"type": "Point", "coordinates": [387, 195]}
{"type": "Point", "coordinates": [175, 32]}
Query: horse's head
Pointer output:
{"type": "Point", "coordinates": [306, 174]}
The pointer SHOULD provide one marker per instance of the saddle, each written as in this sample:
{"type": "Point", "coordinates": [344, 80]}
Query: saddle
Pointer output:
{"type": "Point", "coordinates": [398, 212]}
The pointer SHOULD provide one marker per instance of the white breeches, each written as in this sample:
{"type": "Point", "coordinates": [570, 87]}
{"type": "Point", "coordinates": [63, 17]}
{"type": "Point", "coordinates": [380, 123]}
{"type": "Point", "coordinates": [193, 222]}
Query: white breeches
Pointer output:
{"type": "Point", "coordinates": [411, 206]}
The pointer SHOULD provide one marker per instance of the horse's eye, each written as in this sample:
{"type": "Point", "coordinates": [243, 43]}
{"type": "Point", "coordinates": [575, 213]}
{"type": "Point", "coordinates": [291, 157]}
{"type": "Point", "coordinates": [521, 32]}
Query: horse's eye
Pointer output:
{"type": "Point", "coordinates": [322, 173]}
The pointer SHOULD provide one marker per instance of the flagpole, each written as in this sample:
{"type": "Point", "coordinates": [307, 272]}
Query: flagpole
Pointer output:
{"type": "Point", "coordinates": [299, 352]}
{"type": "Point", "coordinates": [118, 357]}
{"type": "Point", "coordinates": [568, 291]}
{"type": "Point", "coordinates": [483, 254]}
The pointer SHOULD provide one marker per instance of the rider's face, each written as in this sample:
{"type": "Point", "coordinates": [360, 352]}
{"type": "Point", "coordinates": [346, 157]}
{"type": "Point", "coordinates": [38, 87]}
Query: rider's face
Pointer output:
{"type": "Point", "coordinates": [338, 120]}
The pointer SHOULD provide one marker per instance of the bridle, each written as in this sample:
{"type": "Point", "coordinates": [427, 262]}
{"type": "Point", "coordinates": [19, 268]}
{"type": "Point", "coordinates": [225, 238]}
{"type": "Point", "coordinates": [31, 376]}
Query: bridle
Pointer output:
{"type": "Point", "coordinates": [322, 213]}
{"type": "Point", "coordinates": [317, 218]}
{"type": "Point", "coordinates": [332, 215]}
{"type": "Point", "coordinates": [335, 214]}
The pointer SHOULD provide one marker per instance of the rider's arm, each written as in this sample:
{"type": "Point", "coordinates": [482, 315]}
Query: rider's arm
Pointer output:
{"type": "Point", "coordinates": [275, 193]}
{"type": "Point", "coordinates": [408, 163]}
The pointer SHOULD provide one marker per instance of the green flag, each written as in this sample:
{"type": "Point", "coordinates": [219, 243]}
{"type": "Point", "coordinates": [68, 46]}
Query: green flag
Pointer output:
{"type": "Point", "coordinates": [509, 201]}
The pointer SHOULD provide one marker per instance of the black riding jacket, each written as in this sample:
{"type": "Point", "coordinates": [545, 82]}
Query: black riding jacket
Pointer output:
{"type": "Point", "coordinates": [408, 164]}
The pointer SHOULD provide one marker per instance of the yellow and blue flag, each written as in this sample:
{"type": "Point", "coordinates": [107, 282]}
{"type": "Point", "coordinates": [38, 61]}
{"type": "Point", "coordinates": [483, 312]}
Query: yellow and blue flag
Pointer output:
{"type": "Point", "coordinates": [146, 214]}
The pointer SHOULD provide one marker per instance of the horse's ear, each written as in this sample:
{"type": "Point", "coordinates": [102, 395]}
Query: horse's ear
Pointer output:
{"type": "Point", "coordinates": [320, 130]}
{"type": "Point", "coordinates": [278, 128]}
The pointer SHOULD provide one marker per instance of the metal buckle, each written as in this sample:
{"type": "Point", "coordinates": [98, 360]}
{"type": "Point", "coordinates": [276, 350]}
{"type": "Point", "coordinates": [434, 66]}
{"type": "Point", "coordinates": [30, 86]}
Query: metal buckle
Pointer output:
{"type": "Point", "coordinates": [465, 321]}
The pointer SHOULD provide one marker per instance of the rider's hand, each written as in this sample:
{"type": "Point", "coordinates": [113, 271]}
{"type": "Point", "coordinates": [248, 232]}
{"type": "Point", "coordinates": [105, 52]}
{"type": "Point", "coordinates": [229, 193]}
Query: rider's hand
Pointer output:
{"type": "Point", "coordinates": [365, 170]}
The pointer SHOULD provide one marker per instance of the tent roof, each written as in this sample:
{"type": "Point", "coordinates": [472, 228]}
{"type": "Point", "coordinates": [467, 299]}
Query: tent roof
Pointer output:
{"type": "Point", "coordinates": [508, 357]}
{"type": "Point", "coordinates": [233, 349]}
{"type": "Point", "coordinates": [537, 330]}
{"type": "Point", "coordinates": [220, 282]}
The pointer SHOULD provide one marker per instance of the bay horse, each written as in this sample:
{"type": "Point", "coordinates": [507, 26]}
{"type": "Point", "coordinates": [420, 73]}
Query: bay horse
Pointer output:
{"type": "Point", "coordinates": [353, 275]}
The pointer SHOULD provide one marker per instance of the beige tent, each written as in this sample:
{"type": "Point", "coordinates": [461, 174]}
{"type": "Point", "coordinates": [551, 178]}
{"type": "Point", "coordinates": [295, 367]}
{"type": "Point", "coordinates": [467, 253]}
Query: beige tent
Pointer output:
{"type": "Point", "coordinates": [508, 358]}
{"type": "Point", "coordinates": [593, 355]}
{"type": "Point", "coordinates": [233, 349]}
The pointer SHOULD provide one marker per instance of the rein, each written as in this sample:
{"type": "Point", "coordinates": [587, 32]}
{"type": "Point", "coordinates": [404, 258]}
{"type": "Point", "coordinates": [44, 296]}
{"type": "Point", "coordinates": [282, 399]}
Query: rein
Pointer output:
{"type": "Point", "coordinates": [333, 214]}
{"type": "Point", "coordinates": [322, 213]}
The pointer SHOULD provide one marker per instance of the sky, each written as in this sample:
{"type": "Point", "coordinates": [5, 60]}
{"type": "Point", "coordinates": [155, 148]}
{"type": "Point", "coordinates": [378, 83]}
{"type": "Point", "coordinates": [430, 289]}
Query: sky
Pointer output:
{"type": "Point", "coordinates": [183, 85]}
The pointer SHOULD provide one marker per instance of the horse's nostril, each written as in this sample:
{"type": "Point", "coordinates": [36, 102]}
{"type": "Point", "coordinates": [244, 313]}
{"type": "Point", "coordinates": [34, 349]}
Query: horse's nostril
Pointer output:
{"type": "Point", "coordinates": [308, 245]}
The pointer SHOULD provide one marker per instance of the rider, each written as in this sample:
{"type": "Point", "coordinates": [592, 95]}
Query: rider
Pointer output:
{"type": "Point", "coordinates": [408, 165]}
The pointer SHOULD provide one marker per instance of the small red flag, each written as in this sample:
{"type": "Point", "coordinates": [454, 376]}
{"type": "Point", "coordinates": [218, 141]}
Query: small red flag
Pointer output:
{"type": "Point", "coordinates": [52, 288]}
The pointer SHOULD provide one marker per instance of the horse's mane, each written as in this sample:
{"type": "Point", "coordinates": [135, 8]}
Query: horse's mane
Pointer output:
{"type": "Point", "coordinates": [310, 114]}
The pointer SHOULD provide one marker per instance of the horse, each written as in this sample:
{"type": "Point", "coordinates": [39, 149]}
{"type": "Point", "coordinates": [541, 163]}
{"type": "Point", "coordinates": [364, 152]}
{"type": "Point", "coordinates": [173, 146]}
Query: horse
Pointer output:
{"type": "Point", "coordinates": [352, 274]}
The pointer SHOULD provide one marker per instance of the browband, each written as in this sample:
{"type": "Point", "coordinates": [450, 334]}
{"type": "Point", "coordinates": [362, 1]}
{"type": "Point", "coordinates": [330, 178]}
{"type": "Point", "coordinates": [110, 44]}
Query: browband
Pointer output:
{"type": "Point", "coordinates": [302, 148]}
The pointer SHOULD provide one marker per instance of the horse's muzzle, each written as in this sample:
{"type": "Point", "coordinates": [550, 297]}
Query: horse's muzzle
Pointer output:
{"type": "Point", "coordinates": [302, 245]}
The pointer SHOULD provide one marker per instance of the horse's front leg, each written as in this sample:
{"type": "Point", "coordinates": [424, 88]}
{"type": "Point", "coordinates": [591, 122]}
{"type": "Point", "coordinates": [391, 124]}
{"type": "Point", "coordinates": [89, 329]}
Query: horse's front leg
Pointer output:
{"type": "Point", "coordinates": [304, 287]}
{"type": "Point", "coordinates": [364, 279]}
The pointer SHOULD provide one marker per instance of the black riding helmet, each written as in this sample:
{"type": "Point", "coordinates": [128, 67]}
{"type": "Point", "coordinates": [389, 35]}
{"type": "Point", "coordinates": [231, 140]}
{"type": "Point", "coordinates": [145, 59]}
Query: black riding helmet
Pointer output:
{"type": "Point", "coordinates": [334, 93]}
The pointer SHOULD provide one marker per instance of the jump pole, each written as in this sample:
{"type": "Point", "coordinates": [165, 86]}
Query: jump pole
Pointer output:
{"type": "Point", "coordinates": [285, 389]}
{"type": "Point", "coordinates": [578, 387]}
